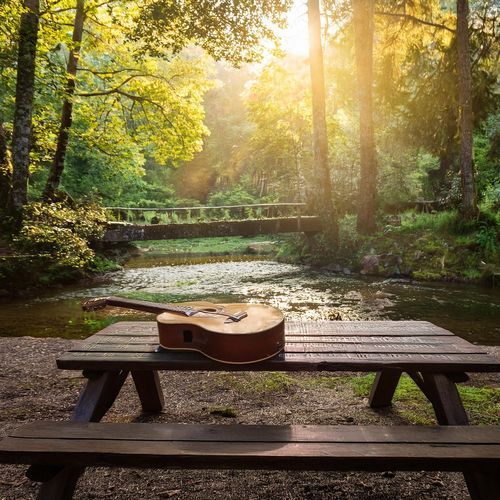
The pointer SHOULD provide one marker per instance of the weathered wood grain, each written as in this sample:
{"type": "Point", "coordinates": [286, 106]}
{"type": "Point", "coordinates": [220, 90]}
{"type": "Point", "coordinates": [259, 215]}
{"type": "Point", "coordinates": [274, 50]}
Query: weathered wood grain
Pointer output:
{"type": "Point", "coordinates": [267, 447]}
{"type": "Point", "coordinates": [383, 388]}
{"type": "Point", "coordinates": [323, 345]}
{"type": "Point", "coordinates": [147, 384]}
{"type": "Point", "coordinates": [259, 433]}
{"type": "Point", "coordinates": [307, 328]}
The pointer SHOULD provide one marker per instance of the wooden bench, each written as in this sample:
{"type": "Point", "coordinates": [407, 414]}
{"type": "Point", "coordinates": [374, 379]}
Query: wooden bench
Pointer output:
{"type": "Point", "coordinates": [297, 447]}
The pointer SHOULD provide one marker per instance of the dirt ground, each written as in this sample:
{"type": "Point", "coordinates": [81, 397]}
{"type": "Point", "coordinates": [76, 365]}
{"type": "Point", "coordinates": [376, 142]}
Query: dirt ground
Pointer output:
{"type": "Point", "coordinates": [32, 388]}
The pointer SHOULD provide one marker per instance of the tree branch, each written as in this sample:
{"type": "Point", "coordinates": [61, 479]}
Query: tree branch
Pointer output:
{"type": "Point", "coordinates": [415, 19]}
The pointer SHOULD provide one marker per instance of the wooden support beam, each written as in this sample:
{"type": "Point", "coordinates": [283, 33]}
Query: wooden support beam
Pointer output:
{"type": "Point", "coordinates": [383, 388]}
{"type": "Point", "coordinates": [147, 384]}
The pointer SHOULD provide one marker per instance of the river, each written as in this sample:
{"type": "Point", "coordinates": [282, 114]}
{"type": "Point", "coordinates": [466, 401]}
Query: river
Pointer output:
{"type": "Point", "coordinates": [299, 291]}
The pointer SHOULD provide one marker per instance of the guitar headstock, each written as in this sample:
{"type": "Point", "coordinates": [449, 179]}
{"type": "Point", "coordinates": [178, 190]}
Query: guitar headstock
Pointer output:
{"type": "Point", "coordinates": [95, 304]}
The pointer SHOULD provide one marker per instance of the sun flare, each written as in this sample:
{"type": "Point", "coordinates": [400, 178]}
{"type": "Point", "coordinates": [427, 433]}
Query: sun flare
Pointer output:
{"type": "Point", "coordinates": [295, 38]}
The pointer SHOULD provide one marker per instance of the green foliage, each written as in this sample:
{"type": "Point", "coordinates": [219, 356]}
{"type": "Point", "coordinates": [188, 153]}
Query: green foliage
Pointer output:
{"type": "Point", "coordinates": [238, 195]}
{"type": "Point", "coordinates": [281, 142]}
{"type": "Point", "coordinates": [53, 244]}
{"type": "Point", "coordinates": [436, 222]}
{"type": "Point", "coordinates": [230, 30]}
{"type": "Point", "coordinates": [437, 246]}
{"type": "Point", "coordinates": [487, 239]}
{"type": "Point", "coordinates": [487, 163]}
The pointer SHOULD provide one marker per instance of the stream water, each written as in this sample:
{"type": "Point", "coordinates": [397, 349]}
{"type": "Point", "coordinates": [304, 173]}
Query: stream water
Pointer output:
{"type": "Point", "coordinates": [300, 292]}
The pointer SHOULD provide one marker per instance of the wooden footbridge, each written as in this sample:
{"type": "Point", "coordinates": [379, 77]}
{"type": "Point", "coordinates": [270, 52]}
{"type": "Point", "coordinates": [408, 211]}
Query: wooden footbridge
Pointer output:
{"type": "Point", "coordinates": [133, 224]}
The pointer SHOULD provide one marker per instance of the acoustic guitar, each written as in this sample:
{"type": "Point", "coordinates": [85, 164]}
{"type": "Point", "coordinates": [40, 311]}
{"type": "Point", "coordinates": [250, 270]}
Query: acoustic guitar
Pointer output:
{"type": "Point", "coordinates": [229, 333]}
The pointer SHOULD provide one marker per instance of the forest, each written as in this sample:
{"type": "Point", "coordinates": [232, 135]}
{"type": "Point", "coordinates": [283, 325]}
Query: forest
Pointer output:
{"type": "Point", "coordinates": [377, 111]}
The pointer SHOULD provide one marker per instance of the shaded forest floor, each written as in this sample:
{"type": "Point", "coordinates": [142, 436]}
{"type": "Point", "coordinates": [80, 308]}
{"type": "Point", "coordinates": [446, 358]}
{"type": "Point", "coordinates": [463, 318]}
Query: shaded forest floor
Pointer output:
{"type": "Point", "coordinates": [32, 388]}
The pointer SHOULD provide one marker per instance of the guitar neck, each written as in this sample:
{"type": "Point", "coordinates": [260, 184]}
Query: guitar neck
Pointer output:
{"type": "Point", "coordinates": [138, 305]}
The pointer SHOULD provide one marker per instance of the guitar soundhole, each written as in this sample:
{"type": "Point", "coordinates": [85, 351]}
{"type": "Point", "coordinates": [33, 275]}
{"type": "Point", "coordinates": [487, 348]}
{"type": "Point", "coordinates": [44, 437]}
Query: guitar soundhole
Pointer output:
{"type": "Point", "coordinates": [187, 335]}
{"type": "Point", "coordinates": [209, 309]}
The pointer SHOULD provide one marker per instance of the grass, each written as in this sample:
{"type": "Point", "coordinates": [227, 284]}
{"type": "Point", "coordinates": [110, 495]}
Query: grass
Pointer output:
{"type": "Point", "coordinates": [205, 246]}
{"type": "Point", "coordinates": [441, 222]}
{"type": "Point", "coordinates": [481, 403]}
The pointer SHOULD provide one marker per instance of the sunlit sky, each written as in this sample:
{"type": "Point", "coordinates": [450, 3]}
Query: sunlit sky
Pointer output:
{"type": "Point", "coordinates": [295, 37]}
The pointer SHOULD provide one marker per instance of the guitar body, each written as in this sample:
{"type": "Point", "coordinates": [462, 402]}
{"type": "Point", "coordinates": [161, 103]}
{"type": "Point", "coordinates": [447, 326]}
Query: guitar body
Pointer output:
{"type": "Point", "coordinates": [229, 333]}
{"type": "Point", "coordinates": [260, 336]}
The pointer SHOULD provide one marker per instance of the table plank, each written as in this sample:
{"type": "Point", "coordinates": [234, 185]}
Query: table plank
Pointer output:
{"type": "Point", "coordinates": [426, 339]}
{"type": "Point", "coordinates": [308, 328]}
{"type": "Point", "coordinates": [324, 345]}
{"type": "Point", "coordinates": [311, 347]}
{"type": "Point", "coordinates": [259, 432]}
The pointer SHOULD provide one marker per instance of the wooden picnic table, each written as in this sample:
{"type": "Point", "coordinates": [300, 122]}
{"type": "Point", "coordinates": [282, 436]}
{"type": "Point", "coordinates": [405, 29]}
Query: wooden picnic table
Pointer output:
{"type": "Point", "coordinates": [435, 359]}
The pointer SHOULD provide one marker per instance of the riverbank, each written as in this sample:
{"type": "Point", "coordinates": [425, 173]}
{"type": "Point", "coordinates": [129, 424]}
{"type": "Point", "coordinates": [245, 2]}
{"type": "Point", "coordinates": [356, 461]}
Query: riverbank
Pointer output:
{"type": "Point", "coordinates": [34, 389]}
{"type": "Point", "coordinates": [426, 247]}
{"type": "Point", "coordinates": [434, 247]}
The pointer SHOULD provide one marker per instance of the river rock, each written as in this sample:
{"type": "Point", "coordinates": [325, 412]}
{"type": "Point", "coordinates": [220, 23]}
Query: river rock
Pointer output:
{"type": "Point", "coordinates": [262, 247]}
{"type": "Point", "coordinates": [383, 303]}
{"type": "Point", "coordinates": [370, 264]}
{"type": "Point", "coordinates": [391, 281]}
{"type": "Point", "coordinates": [384, 295]}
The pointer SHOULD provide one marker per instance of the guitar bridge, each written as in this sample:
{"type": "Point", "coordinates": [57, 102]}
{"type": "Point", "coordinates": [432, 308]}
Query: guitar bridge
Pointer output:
{"type": "Point", "coordinates": [236, 317]}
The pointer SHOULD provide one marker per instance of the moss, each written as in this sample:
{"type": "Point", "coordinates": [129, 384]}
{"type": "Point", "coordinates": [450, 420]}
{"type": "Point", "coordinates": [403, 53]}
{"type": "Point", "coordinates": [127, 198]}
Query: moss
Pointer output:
{"type": "Point", "coordinates": [223, 411]}
{"type": "Point", "coordinates": [427, 275]}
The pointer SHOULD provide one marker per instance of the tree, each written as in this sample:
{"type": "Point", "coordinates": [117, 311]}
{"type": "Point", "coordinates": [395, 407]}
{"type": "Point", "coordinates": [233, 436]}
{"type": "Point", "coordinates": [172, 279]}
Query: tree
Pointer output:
{"type": "Point", "coordinates": [322, 202]}
{"type": "Point", "coordinates": [363, 13]}
{"type": "Point", "coordinates": [178, 32]}
{"type": "Point", "coordinates": [57, 167]}
{"type": "Point", "coordinates": [279, 106]}
{"type": "Point", "coordinates": [469, 208]}
{"type": "Point", "coordinates": [25, 90]}
{"type": "Point", "coordinates": [230, 30]}
{"type": "Point", "coordinates": [5, 173]}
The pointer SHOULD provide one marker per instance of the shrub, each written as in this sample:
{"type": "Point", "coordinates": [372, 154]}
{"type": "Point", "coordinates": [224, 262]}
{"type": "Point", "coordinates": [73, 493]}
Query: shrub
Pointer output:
{"type": "Point", "coordinates": [54, 241]}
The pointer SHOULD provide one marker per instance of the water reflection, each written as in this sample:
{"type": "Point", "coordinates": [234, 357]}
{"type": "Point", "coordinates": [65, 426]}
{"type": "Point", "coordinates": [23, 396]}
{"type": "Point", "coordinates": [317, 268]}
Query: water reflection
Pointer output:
{"type": "Point", "coordinates": [300, 292]}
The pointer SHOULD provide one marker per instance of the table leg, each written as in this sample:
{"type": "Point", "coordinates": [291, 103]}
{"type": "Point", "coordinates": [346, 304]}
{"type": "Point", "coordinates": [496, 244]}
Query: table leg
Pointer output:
{"type": "Point", "coordinates": [445, 399]}
{"type": "Point", "coordinates": [450, 411]}
{"type": "Point", "coordinates": [383, 388]}
{"type": "Point", "coordinates": [98, 395]}
{"type": "Point", "coordinates": [96, 398]}
{"type": "Point", "coordinates": [147, 384]}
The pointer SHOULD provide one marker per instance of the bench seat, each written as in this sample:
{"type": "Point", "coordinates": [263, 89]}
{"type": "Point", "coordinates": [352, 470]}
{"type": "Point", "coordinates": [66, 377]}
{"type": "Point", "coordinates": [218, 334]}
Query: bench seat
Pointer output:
{"type": "Point", "coordinates": [296, 447]}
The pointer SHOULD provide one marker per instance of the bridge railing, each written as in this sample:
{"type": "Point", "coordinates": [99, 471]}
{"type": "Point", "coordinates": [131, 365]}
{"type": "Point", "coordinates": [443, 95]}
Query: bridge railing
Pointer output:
{"type": "Point", "coordinates": [180, 215]}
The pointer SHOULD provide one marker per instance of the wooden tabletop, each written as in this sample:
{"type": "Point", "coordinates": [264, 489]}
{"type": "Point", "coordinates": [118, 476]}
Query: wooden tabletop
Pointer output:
{"type": "Point", "coordinates": [310, 346]}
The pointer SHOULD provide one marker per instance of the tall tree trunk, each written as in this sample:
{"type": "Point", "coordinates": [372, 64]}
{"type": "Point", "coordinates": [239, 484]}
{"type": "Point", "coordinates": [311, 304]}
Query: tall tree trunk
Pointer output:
{"type": "Point", "coordinates": [469, 204]}
{"type": "Point", "coordinates": [363, 14]}
{"type": "Point", "coordinates": [322, 201]}
{"type": "Point", "coordinates": [57, 166]}
{"type": "Point", "coordinates": [25, 90]}
{"type": "Point", "coordinates": [5, 170]}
